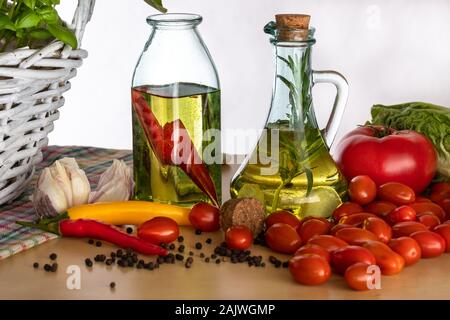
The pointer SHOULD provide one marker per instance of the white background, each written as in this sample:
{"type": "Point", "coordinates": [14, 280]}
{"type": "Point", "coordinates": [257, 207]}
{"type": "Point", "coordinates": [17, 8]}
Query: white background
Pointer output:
{"type": "Point", "coordinates": [389, 51]}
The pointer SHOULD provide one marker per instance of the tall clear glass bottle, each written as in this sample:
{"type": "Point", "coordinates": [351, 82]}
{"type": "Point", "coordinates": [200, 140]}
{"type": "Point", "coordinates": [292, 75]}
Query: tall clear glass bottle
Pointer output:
{"type": "Point", "coordinates": [176, 115]}
{"type": "Point", "coordinates": [290, 167]}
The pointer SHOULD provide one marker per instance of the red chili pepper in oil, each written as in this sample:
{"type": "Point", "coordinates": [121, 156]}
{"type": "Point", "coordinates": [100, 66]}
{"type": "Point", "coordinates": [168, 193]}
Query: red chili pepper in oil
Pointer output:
{"type": "Point", "coordinates": [162, 142]}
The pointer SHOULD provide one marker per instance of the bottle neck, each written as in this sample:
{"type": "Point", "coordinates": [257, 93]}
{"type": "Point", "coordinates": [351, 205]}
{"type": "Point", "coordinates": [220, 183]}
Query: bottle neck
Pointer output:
{"type": "Point", "coordinates": [291, 100]}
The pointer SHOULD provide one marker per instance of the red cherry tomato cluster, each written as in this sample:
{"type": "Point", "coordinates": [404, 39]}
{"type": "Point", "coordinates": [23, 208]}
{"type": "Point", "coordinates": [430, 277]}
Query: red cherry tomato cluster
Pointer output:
{"type": "Point", "coordinates": [387, 228]}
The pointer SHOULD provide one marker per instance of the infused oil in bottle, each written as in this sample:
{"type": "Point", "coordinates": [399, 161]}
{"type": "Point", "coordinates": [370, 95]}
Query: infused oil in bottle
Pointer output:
{"type": "Point", "coordinates": [291, 167]}
{"type": "Point", "coordinates": [197, 109]}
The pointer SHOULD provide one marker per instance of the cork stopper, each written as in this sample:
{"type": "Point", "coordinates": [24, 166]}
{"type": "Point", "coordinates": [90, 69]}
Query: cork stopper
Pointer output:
{"type": "Point", "coordinates": [292, 27]}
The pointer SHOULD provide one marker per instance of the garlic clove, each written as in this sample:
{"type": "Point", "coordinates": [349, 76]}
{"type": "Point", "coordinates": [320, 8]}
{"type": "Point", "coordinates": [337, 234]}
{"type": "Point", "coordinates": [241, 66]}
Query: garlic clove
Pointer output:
{"type": "Point", "coordinates": [115, 184]}
{"type": "Point", "coordinates": [49, 199]}
{"type": "Point", "coordinates": [80, 187]}
{"type": "Point", "coordinates": [79, 183]}
{"type": "Point", "coordinates": [60, 175]}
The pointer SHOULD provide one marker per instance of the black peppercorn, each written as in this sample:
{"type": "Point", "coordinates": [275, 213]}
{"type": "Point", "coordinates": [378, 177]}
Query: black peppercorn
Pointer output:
{"type": "Point", "coordinates": [198, 232]}
{"type": "Point", "coordinates": [181, 249]}
{"type": "Point", "coordinates": [172, 247]}
{"type": "Point", "coordinates": [91, 241]}
{"type": "Point", "coordinates": [54, 267]}
{"type": "Point", "coordinates": [119, 253]}
{"type": "Point", "coordinates": [198, 246]}
{"type": "Point", "coordinates": [180, 239]}
{"type": "Point", "coordinates": [129, 230]}
{"type": "Point", "coordinates": [35, 265]}
{"type": "Point", "coordinates": [191, 253]}
{"type": "Point", "coordinates": [47, 267]}
{"type": "Point", "coordinates": [88, 262]}
{"type": "Point", "coordinates": [207, 260]}
{"type": "Point", "coordinates": [189, 262]}
{"type": "Point", "coordinates": [263, 264]}
{"type": "Point", "coordinates": [202, 255]}
{"type": "Point", "coordinates": [112, 285]}
{"type": "Point", "coordinates": [277, 264]}
{"type": "Point", "coordinates": [285, 264]}
{"type": "Point", "coordinates": [179, 257]}
{"type": "Point", "coordinates": [98, 244]}
{"type": "Point", "coordinates": [53, 256]}
{"type": "Point", "coordinates": [217, 261]}
{"type": "Point", "coordinates": [208, 241]}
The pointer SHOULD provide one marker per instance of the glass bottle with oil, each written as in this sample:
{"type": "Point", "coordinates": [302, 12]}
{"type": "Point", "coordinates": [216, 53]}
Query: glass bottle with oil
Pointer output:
{"type": "Point", "coordinates": [176, 115]}
{"type": "Point", "coordinates": [291, 167]}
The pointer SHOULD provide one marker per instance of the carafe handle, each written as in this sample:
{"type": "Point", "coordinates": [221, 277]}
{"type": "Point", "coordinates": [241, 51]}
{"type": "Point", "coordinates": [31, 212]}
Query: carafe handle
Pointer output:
{"type": "Point", "coordinates": [340, 101]}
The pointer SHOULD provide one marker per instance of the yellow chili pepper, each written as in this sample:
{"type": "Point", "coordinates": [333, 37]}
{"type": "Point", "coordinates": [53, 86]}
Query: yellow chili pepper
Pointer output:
{"type": "Point", "coordinates": [129, 212]}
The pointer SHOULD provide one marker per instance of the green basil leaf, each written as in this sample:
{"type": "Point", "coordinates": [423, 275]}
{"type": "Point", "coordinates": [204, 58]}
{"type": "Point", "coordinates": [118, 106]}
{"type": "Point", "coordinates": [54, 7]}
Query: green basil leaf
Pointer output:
{"type": "Point", "coordinates": [28, 19]}
{"type": "Point", "coordinates": [40, 34]}
{"type": "Point", "coordinates": [49, 15]}
{"type": "Point", "coordinates": [157, 4]}
{"type": "Point", "coordinates": [6, 23]}
{"type": "Point", "coordinates": [30, 3]}
{"type": "Point", "coordinates": [64, 34]}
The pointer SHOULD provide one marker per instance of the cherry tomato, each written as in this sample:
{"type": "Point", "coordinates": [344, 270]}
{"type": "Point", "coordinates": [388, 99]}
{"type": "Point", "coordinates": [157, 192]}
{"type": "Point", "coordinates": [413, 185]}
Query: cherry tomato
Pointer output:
{"type": "Point", "coordinates": [422, 207]}
{"type": "Point", "coordinates": [355, 236]}
{"type": "Point", "coordinates": [401, 214]}
{"type": "Point", "coordinates": [408, 248]}
{"type": "Point", "coordinates": [239, 237]}
{"type": "Point", "coordinates": [309, 269]}
{"type": "Point", "coordinates": [313, 249]}
{"type": "Point", "coordinates": [445, 204]}
{"type": "Point", "coordinates": [432, 244]}
{"type": "Point", "coordinates": [444, 231]}
{"type": "Point", "coordinates": [440, 191]}
{"type": "Point", "coordinates": [389, 261]}
{"type": "Point", "coordinates": [305, 219]}
{"type": "Point", "coordinates": [422, 199]}
{"type": "Point", "coordinates": [205, 217]}
{"type": "Point", "coordinates": [338, 227]}
{"type": "Point", "coordinates": [397, 193]}
{"type": "Point", "coordinates": [405, 229]}
{"type": "Point", "coordinates": [380, 208]}
{"type": "Point", "coordinates": [313, 227]}
{"type": "Point", "coordinates": [345, 209]}
{"type": "Point", "coordinates": [378, 227]}
{"type": "Point", "coordinates": [440, 187]}
{"type": "Point", "coordinates": [343, 258]}
{"type": "Point", "coordinates": [283, 238]}
{"type": "Point", "coordinates": [428, 219]}
{"type": "Point", "coordinates": [328, 242]}
{"type": "Point", "coordinates": [358, 276]}
{"type": "Point", "coordinates": [356, 219]}
{"type": "Point", "coordinates": [159, 230]}
{"type": "Point", "coordinates": [362, 190]}
{"type": "Point", "coordinates": [282, 216]}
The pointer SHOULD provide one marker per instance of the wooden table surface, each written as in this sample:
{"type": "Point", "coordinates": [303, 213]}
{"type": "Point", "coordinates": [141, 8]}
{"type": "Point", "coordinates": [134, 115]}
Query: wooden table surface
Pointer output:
{"type": "Point", "coordinates": [429, 279]}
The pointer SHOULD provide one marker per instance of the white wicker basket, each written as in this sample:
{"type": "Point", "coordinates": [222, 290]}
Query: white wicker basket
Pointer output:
{"type": "Point", "coordinates": [31, 86]}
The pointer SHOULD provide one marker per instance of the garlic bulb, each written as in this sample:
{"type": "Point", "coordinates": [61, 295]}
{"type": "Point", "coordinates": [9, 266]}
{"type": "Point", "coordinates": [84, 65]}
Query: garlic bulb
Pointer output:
{"type": "Point", "coordinates": [115, 184]}
{"type": "Point", "coordinates": [60, 187]}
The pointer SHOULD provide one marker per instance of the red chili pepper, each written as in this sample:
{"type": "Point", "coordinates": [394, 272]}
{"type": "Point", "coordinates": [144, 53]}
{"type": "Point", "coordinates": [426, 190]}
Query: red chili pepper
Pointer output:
{"type": "Point", "coordinates": [162, 142]}
{"type": "Point", "coordinates": [83, 228]}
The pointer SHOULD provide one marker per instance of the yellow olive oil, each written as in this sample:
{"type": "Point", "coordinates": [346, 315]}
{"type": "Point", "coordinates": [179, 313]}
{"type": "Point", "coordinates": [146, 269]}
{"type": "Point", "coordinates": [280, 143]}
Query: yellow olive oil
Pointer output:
{"type": "Point", "coordinates": [291, 170]}
{"type": "Point", "coordinates": [197, 107]}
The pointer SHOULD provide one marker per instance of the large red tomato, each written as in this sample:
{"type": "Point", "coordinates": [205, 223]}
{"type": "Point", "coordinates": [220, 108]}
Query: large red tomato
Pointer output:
{"type": "Point", "coordinates": [388, 155]}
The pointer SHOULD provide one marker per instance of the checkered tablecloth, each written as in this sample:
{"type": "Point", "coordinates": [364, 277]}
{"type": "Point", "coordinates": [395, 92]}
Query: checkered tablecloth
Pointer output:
{"type": "Point", "coordinates": [13, 237]}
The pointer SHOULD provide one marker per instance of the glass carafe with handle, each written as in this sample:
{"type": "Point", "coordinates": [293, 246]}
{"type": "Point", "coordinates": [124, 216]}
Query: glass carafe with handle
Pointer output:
{"type": "Point", "coordinates": [291, 168]}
